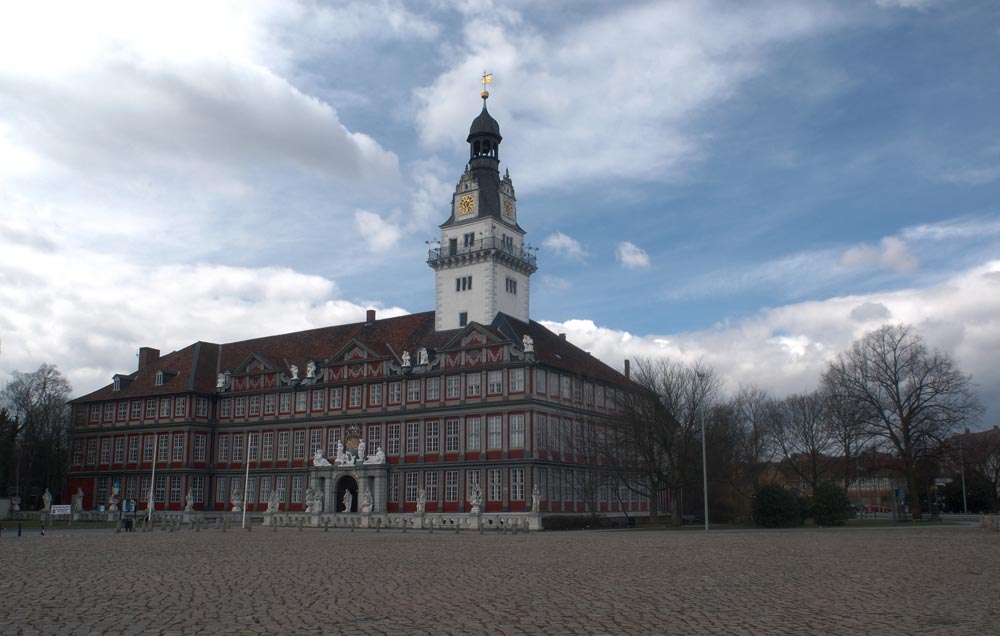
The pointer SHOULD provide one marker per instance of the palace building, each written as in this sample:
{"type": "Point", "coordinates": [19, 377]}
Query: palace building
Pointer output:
{"type": "Point", "coordinates": [431, 411]}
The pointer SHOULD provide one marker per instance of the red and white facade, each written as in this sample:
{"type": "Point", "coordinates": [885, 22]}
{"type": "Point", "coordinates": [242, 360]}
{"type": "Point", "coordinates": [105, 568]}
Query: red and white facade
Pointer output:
{"type": "Point", "coordinates": [450, 408]}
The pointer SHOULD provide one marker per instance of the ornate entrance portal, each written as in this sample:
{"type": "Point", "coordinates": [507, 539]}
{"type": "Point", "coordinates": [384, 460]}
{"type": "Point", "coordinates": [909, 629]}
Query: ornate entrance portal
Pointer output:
{"type": "Point", "coordinates": [345, 485]}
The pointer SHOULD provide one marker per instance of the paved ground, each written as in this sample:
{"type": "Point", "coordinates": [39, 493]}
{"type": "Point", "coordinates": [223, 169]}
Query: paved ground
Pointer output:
{"type": "Point", "coordinates": [936, 580]}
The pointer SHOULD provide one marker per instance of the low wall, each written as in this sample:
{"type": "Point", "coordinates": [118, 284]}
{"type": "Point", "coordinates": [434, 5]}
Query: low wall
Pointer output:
{"type": "Point", "coordinates": [400, 520]}
{"type": "Point", "coordinates": [428, 521]}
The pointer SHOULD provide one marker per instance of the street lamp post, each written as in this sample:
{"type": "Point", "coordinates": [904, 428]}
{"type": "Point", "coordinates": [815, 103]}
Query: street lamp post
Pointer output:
{"type": "Point", "coordinates": [704, 455]}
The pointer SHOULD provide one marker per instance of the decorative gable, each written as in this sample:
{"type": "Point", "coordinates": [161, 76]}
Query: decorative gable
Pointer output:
{"type": "Point", "coordinates": [255, 374]}
{"type": "Point", "coordinates": [357, 353]}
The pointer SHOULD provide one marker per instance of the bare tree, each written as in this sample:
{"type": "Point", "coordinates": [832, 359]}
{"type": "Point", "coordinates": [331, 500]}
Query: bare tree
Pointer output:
{"type": "Point", "coordinates": [803, 436]}
{"type": "Point", "coordinates": [845, 418]}
{"type": "Point", "coordinates": [910, 395]}
{"type": "Point", "coordinates": [656, 441]}
{"type": "Point", "coordinates": [751, 415]}
{"type": "Point", "coordinates": [591, 482]}
{"type": "Point", "coordinates": [37, 402]}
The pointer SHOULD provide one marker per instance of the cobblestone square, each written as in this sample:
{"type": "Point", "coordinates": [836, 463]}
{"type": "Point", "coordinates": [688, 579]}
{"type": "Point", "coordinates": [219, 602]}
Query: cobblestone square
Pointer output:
{"type": "Point", "coordinates": [933, 580]}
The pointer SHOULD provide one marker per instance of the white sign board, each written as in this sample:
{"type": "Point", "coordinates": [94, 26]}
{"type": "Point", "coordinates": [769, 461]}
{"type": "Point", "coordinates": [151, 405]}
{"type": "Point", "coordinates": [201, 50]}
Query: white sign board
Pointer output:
{"type": "Point", "coordinates": [61, 509]}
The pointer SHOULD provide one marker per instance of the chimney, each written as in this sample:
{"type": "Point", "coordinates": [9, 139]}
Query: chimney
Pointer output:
{"type": "Point", "coordinates": [147, 356]}
{"type": "Point", "coordinates": [370, 317]}
{"type": "Point", "coordinates": [563, 336]}
{"type": "Point", "coordinates": [628, 369]}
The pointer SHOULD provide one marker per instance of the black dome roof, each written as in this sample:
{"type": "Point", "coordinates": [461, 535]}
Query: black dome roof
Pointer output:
{"type": "Point", "coordinates": [484, 124]}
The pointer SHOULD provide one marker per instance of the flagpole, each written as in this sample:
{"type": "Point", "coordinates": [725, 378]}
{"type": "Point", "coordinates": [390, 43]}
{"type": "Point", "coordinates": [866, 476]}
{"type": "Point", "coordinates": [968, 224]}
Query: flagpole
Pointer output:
{"type": "Point", "coordinates": [152, 481]}
{"type": "Point", "coordinates": [246, 482]}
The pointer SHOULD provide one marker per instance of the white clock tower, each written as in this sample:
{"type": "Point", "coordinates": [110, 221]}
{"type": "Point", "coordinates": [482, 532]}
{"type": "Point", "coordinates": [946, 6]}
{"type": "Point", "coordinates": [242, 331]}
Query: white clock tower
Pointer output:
{"type": "Point", "coordinates": [482, 265]}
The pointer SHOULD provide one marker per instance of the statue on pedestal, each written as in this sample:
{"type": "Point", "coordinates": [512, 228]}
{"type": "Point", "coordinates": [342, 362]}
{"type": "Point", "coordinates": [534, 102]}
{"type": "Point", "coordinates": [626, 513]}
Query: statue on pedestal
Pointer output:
{"type": "Point", "coordinates": [361, 449]}
{"type": "Point", "coordinates": [377, 458]}
{"type": "Point", "coordinates": [295, 372]}
{"type": "Point", "coordinates": [536, 496]}
{"type": "Point", "coordinates": [475, 499]}
{"type": "Point", "coordinates": [421, 500]}
{"type": "Point", "coordinates": [46, 500]}
{"type": "Point", "coordinates": [366, 502]}
{"type": "Point", "coordinates": [348, 500]}
{"type": "Point", "coordinates": [114, 498]}
{"type": "Point", "coordinates": [422, 356]}
{"type": "Point", "coordinates": [319, 460]}
{"type": "Point", "coordinates": [406, 359]}
{"type": "Point", "coordinates": [311, 369]}
{"type": "Point", "coordinates": [189, 502]}
{"type": "Point", "coordinates": [529, 343]}
{"type": "Point", "coordinates": [78, 500]}
{"type": "Point", "coordinates": [274, 502]}
{"type": "Point", "coordinates": [237, 499]}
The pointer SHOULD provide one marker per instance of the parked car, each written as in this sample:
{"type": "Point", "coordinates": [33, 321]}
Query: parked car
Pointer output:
{"type": "Point", "coordinates": [877, 508]}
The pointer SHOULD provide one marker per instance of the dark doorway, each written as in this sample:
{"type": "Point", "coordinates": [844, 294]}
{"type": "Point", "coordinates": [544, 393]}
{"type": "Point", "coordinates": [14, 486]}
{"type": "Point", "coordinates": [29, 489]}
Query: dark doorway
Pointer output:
{"type": "Point", "coordinates": [347, 484]}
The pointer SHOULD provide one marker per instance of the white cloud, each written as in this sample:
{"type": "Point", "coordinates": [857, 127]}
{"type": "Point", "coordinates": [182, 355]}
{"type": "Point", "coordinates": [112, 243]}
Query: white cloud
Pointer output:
{"type": "Point", "coordinates": [973, 176]}
{"type": "Point", "coordinates": [784, 349]}
{"type": "Point", "coordinates": [632, 256]}
{"type": "Point", "coordinates": [953, 229]}
{"type": "Point", "coordinates": [666, 64]}
{"type": "Point", "coordinates": [88, 312]}
{"type": "Point", "coordinates": [564, 245]}
{"type": "Point", "coordinates": [907, 4]}
{"type": "Point", "coordinates": [380, 234]}
{"type": "Point", "coordinates": [890, 253]}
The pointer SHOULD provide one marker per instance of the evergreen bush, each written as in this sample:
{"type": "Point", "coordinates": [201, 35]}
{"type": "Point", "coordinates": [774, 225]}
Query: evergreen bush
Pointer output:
{"type": "Point", "coordinates": [775, 507]}
{"type": "Point", "coordinates": [830, 505]}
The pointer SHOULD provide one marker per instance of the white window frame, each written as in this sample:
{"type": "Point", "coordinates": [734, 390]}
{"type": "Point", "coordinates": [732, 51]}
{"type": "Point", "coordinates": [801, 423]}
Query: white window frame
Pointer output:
{"type": "Point", "coordinates": [474, 434]}
{"type": "Point", "coordinates": [516, 426]}
{"type": "Point", "coordinates": [433, 389]}
{"type": "Point", "coordinates": [494, 432]}
{"type": "Point", "coordinates": [432, 436]}
{"type": "Point", "coordinates": [494, 483]}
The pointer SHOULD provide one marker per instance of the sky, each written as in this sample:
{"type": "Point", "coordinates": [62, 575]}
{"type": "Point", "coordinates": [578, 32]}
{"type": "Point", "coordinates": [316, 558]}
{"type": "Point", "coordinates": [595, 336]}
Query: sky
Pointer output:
{"type": "Point", "coordinates": [751, 185]}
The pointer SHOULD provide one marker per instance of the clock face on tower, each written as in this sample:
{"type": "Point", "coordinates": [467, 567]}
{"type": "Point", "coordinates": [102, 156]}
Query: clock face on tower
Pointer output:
{"type": "Point", "coordinates": [465, 205]}
{"type": "Point", "coordinates": [508, 210]}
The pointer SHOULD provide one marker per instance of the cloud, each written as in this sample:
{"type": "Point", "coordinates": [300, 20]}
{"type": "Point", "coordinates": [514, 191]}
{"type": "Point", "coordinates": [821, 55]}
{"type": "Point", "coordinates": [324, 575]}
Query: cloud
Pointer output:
{"type": "Point", "coordinates": [869, 311]}
{"type": "Point", "coordinates": [89, 311]}
{"type": "Point", "coordinates": [215, 115]}
{"type": "Point", "coordinates": [379, 233]}
{"type": "Point", "coordinates": [973, 176]}
{"type": "Point", "coordinates": [631, 256]}
{"type": "Point", "coordinates": [953, 229]}
{"type": "Point", "coordinates": [907, 4]}
{"type": "Point", "coordinates": [784, 349]}
{"type": "Point", "coordinates": [667, 64]}
{"type": "Point", "coordinates": [890, 253]}
{"type": "Point", "coordinates": [564, 245]}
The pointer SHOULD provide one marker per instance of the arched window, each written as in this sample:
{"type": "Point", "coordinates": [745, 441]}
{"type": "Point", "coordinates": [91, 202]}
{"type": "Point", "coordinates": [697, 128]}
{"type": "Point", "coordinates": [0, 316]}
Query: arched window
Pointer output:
{"type": "Point", "coordinates": [475, 149]}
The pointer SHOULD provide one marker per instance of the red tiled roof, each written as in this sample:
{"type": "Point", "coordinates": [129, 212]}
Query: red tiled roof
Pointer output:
{"type": "Point", "coordinates": [556, 351]}
{"type": "Point", "coordinates": [190, 369]}
{"type": "Point", "coordinates": [197, 365]}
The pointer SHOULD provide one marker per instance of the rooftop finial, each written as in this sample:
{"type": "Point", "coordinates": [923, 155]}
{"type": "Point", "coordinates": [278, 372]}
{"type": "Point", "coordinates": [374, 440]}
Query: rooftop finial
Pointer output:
{"type": "Point", "coordinates": [487, 79]}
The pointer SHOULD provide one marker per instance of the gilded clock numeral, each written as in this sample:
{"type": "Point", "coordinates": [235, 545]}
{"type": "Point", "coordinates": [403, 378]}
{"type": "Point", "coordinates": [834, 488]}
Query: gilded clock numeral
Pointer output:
{"type": "Point", "coordinates": [465, 204]}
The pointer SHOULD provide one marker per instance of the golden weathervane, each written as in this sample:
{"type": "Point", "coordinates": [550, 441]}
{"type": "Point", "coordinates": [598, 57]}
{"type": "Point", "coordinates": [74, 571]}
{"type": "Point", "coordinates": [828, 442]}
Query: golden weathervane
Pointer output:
{"type": "Point", "coordinates": [487, 79]}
